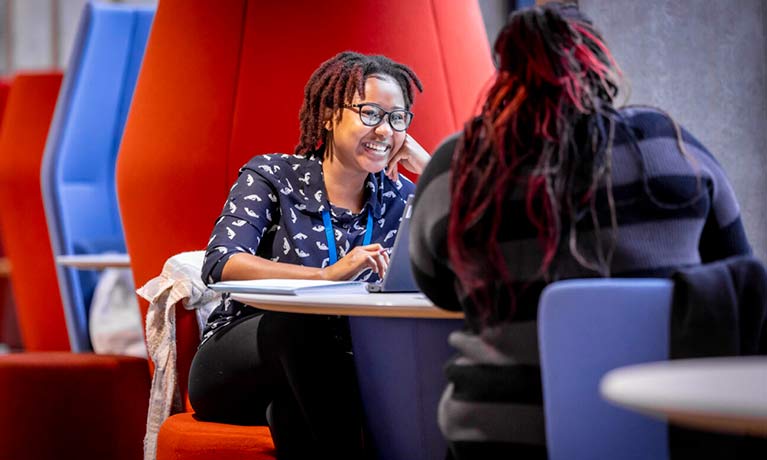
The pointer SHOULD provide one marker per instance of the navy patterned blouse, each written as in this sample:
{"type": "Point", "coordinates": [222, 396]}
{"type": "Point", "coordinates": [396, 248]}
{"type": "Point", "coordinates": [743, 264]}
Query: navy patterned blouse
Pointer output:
{"type": "Point", "coordinates": [274, 211]}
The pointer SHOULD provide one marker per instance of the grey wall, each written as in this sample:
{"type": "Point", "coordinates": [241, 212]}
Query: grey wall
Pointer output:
{"type": "Point", "coordinates": [703, 61]}
{"type": "Point", "coordinates": [38, 34]}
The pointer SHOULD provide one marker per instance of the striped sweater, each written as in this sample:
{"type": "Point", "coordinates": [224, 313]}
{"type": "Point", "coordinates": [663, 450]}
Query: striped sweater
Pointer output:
{"type": "Point", "coordinates": [671, 213]}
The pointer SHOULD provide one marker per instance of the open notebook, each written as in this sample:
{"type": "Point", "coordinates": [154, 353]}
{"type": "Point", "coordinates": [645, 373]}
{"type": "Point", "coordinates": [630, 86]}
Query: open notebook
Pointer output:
{"type": "Point", "coordinates": [290, 287]}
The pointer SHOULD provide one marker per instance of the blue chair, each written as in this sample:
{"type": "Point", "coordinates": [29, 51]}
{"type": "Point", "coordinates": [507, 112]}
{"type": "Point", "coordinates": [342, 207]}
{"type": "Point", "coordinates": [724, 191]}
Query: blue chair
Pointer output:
{"type": "Point", "coordinates": [587, 327]}
{"type": "Point", "coordinates": [78, 170]}
{"type": "Point", "coordinates": [400, 372]}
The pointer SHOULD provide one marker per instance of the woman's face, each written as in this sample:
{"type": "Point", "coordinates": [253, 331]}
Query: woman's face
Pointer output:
{"type": "Point", "coordinates": [366, 149]}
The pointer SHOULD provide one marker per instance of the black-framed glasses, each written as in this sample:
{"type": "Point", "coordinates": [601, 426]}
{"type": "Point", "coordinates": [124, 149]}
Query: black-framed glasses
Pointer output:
{"type": "Point", "coordinates": [373, 114]}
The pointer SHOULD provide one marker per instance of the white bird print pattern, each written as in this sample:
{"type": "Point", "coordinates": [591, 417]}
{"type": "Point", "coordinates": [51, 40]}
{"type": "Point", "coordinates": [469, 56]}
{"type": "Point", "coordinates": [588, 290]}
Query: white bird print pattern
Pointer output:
{"type": "Point", "coordinates": [390, 235]}
{"type": "Point", "coordinates": [285, 246]}
{"type": "Point", "coordinates": [267, 169]}
{"type": "Point", "coordinates": [274, 210]}
{"type": "Point", "coordinates": [287, 190]}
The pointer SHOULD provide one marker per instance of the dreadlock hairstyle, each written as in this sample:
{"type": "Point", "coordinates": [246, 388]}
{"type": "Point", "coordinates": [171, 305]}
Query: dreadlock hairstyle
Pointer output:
{"type": "Point", "coordinates": [334, 83]}
{"type": "Point", "coordinates": [545, 130]}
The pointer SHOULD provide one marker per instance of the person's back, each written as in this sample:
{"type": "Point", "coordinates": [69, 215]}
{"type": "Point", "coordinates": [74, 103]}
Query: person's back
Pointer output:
{"type": "Point", "coordinates": [551, 182]}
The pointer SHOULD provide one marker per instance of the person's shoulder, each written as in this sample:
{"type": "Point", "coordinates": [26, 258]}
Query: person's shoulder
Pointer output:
{"type": "Point", "coordinates": [648, 123]}
{"type": "Point", "coordinates": [441, 160]}
{"type": "Point", "coordinates": [445, 150]}
{"type": "Point", "coordinates": [279, 166]}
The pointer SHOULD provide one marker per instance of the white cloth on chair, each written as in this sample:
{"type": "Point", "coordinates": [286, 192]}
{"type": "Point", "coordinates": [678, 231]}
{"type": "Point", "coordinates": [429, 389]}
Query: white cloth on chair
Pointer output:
{"type": "Point", "coordinates": [179, 281]}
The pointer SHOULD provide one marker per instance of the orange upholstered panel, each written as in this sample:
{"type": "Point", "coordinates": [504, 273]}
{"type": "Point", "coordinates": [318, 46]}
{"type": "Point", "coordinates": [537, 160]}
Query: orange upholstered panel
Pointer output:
{"type": "Point", "coordinates": [23, 228]}
{"type": "Point", "coordinates": [442, 41]}
{"type": "Point", "coordinates": [176, 140]}
{"type": "Point", "coordinates": [69, 405]}
{"type": "Point", "coordinates": [8, 333]}
{"type": "Point", "coordinates": [223, 81]}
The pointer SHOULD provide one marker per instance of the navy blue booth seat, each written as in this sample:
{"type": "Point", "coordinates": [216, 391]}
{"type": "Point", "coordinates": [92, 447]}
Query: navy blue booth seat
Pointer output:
{"type": "Point", "coordinates": [78, 171]}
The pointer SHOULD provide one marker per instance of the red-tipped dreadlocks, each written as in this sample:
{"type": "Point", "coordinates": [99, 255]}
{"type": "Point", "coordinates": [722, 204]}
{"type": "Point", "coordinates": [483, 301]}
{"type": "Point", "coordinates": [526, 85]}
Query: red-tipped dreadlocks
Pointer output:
{"type": "Point", "coordinates": [554, 74]}
{"type": "Point", "coordinates": [334, 83]}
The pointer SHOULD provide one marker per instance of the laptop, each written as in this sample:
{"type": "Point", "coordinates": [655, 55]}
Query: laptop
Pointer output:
{"type": "Point", "coordinates": [399, 275]}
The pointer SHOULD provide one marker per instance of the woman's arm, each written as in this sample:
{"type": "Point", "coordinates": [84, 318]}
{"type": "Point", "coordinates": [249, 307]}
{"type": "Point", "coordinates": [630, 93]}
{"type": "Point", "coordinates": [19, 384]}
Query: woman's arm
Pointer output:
{"type": "Point", "coordinates": [411, 155]}
{"type": "Point", "coordinates": [243, 266]}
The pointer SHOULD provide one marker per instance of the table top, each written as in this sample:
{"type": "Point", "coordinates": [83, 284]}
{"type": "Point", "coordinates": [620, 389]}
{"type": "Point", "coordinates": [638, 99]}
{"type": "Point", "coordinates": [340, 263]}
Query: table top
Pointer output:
{"type": "Point", "coordinates": [720, 394]}
{"type": "Point", "coordinates": [95, 261]}
{"type": "Point", "coordinates": [395, 305]}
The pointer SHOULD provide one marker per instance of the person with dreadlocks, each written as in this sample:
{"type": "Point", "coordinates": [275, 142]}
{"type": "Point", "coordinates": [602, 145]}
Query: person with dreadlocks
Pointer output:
{"type": "Point", "coordinates": [327, 212]}
{"type": "Point", "coordinates": [551, 181]}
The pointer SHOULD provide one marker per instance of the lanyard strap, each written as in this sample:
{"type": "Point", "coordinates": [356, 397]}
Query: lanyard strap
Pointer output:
{"type": "Point", "coordinates": [332, 251]}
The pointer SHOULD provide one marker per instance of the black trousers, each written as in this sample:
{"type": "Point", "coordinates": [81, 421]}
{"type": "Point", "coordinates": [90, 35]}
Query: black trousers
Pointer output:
{"type": "Point", "coordinates": [294, 372]}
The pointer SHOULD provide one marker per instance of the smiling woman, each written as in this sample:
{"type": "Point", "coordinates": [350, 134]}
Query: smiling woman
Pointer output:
{"type": "Point", "coordinates": [322, 213]}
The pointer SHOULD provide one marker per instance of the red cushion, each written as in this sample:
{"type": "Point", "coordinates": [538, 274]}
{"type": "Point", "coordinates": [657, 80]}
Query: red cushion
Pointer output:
{"type": "Point", "coordinates": [23, 228]}
{"type": "Point", "coordinates": [184, 437]}
{"type": "Point", "coordinates": [68, 405]}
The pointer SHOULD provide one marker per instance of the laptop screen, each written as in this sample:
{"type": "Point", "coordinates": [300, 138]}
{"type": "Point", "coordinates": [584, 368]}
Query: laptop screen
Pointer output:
{"type": "Point", "coordinates": [399, 275]}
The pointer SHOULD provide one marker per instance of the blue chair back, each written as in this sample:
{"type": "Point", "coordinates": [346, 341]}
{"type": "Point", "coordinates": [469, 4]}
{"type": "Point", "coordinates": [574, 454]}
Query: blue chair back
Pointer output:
{"type": "Point", "coordinates": [400, 373]}
{"type": "Point", "coordinates": [586, 328]}
{"type": "Point", "coordinates": [78, 171]}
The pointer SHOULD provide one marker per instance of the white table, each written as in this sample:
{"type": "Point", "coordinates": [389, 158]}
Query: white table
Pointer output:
{"type": "Point", "coordinates": [95, 261]}
{"type": "Point", "coordinates": [718, 394]}
{"type": "Point", "coordinates": [405, 305]}
{"type": "Point", "coordinates": [400, 348]}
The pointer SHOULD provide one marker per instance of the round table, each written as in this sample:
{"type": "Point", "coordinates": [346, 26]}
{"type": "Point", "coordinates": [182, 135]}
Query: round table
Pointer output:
{"type": "Point", "coordinates": [719, 394]}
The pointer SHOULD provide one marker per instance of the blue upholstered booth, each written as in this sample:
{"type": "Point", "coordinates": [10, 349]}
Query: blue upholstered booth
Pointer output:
{"type": "Point", "coordinates": [78, 173]}
{"type": "Point", "coordinates": [586, 328]}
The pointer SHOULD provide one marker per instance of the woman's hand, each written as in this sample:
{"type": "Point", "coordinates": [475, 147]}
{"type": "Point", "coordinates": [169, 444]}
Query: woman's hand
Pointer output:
{"type": "Point", "coordinates": [412, 156]}
{"type": "Point", "coordinates": [357, 260]}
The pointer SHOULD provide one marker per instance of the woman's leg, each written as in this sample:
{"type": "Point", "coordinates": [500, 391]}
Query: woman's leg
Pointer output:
{"type": "Point", "coordinates": [319, 371]}
{"type": "Point", "coordinates": [229, 381]}
{"type": "Point", "coordinates": [296, 365]}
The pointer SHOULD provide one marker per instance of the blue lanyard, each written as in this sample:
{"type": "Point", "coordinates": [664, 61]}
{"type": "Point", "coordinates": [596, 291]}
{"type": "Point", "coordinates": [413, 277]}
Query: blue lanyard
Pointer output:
{"type": "Point", "coordinates": [332, 251]}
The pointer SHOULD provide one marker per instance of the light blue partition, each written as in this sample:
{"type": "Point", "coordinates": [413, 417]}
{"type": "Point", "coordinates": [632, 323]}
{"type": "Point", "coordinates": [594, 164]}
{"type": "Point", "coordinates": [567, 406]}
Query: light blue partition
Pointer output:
{"type": "Point", "coordinates": [78, 171]}
{"type": "Point", "coordinates": [400, 364]}
{"type": "Point", "coordinates": [587, 327]}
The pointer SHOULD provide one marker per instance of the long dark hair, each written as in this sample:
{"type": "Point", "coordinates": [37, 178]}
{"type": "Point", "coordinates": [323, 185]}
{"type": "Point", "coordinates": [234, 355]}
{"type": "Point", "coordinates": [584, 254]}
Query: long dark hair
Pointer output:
{"type": "Point", "coordinates": [334, 84]}
{"type": "Point", "coordinates": [555, 88]}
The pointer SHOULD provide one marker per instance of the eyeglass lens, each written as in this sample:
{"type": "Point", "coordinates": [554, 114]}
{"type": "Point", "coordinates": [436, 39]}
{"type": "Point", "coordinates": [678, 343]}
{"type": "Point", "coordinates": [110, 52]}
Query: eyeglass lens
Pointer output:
{"type": "Point", "coordinates": [371, 115]}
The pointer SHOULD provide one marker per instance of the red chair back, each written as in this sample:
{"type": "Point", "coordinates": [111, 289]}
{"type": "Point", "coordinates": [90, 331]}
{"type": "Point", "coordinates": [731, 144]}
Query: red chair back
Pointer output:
{"type": "Point", "coordinates": [27, 116]}
{"type": "Point", "coordinates": [223, 81]}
